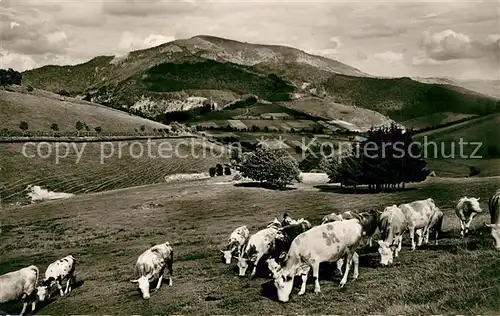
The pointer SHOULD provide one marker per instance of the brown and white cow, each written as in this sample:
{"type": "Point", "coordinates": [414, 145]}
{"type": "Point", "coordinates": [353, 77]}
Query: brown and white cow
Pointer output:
{"type": "Point", "coordinates": [20, 285]}
{"type": "Point", "coordinates": [237, 242]}
{"type": "Point", "coordinates": [258, 246]}
{"type": "Point", "coordinates": [392, 225]}
{"type": "Point", "coordinates": [151, 265]}
{"type": "Point", "coordinates": [435, 226]}
{"type": "Point", "coordinates": [466, 210]}
{"type": "Point", "coordinates": [323, 243]}
{"type": "Point", "coordinates": [57, 272]}
{"type": "Point", "coordinates": [418, 215]}
{"type": "Point", "coordinates": [494, 206]}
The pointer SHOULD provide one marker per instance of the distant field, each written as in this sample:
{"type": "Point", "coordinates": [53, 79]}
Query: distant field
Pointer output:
{"type": "Point", "coordinates": [434, 120]}
{"type": "Point", "coordinates": [483, 130]}
{"type": "Point", "coordinates": [458, 168]}
{"type": "Point", "coordinates": [106, 232]}
{"type": "Point", "coordinates": [41, 109]}
{"type": "Point", "coordinates": [89, 175]}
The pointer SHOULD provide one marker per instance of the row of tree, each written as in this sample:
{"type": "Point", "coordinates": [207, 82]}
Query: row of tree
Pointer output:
{"type": "Point", "coordinates": [10, 76]}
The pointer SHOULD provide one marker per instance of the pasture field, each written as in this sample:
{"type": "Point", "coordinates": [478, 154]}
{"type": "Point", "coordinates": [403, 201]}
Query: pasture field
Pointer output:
{"type": "Point", "coordinates": [107, 231]}
{"type": "Point", "coordinates": [120, 170]}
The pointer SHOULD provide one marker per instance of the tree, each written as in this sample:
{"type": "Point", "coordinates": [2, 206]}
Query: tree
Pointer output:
{"type": "Point", "coordinates": [79, 126]}
{"type": "Point", "coordinates": [10, 76]}
{"type": "Point", "coordinates": [220, 170]}
{"type": "Point", "coordinates": [98, 129]}
{"type": "Point", "coordinates": [273, 166]}
{"type": "Point", "coordinates": [143, 128]}
{"type": "Point", "coordinates": [212, 171]}
{"type": "Point", "coordinates": [54, 127]}
{"type": "Point", "coordinates": [227, 171]}
{"type": "Point", "coordinates": [24, 126]}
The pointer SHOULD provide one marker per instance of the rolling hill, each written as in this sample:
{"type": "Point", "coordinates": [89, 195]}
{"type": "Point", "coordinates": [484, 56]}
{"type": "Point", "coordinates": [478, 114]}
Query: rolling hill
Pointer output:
{"type": "Point", "coordinates": [219, 71]}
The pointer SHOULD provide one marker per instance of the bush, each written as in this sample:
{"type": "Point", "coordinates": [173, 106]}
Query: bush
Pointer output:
{"type": "Point", "coordinates": [24, 126]}
{"type": "Point", "coordinates": [54, 127]}
{"type": "Point", "coordinates": [212, 171]}
{"type": "Point", "coordinates": [273, 166]}
{"type": "Point", "coordinates": [98, 129]}
{"type": "Point", "coordinates": [64, 93]}
{"type": "Point", "coordinates": [473, 171]}
{"type": "Point", "coordinates": [220, 170]}
{"type": "Point", "coordinates": [10, 76]}
{"type": "Point", "coordinates": [29, 88]}
{"type": "Point", "coordinates": [143, 128]}
{"type": "Point", "coordinates": [227, 171]}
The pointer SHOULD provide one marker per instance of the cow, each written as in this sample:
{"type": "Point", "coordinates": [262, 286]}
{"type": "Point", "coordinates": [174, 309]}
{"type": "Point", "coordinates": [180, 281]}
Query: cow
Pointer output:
{"type": "Point", "coordinates": [466, 210]}
{"type": "Point", "coordinates": [282, 242]}
{"type": "Point", "coordinates": [57, 272]}
{"type": "Point", "coordinates": [418, 215]}
{"type": "Point", "coordinates": [323, 243]}
{"type": "Point", "coordinates": [369, 221]}
{"type": "Point", "coordinates": [151, 265]}
{"type": "Point", "coordinates": [258, 246]}
{"type": "Point", "coordinates": [20, 285]}
{"type": "Point", "coordinates": [333, 217]}
{"type": "Point", "coordinates": [435, 226]}
{"type": "Point", "coordinates": [494, 207]}
{"type": "Point", "coordinates": [392, 225]}
{"type": "Point", "coordinates": [237, 241]}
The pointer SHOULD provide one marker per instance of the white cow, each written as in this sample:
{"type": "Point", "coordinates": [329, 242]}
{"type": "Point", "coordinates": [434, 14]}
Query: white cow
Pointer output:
{"type": "Point", "coordinates": [323, 243]}
{"type": "Point", "coordinates": [20, 285]}
{"type": "Point", "coordinates": [151, 265]}
{"type": "Point", "coordinates": [237, 241]}
{"type": "Point", "coordinates": [494, 206]}
{"type": "Point", "coordinates": [392, 225]}
{"type": "Point", "coordinates": [466, 210]}
{"type": "Point", "coordinates": [435, 225]}
{"type": "Point", "coordinates": [418, 215]}
{"type": "Point", "coordinates": [257, 247]}
{"type": "Point", "coordinates": [57, 272]}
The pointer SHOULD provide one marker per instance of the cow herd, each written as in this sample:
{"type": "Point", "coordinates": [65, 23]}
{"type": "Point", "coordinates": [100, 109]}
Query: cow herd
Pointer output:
{"type": "Point", "coordinates": [289, 248]}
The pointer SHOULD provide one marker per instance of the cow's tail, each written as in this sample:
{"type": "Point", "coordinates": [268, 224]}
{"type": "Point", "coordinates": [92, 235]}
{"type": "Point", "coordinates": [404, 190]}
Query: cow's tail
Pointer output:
{"type": "Point", "coordinates": [493, 205]}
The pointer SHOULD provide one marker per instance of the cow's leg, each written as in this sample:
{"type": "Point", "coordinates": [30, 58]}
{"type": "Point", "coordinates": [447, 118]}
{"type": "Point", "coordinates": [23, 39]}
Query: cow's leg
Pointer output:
{"type": "Point", "coordinates": [305, 273]}
{"type": "Point", "coordinates": [462, 228]}
{"type": "Point", "coordinates": [436, 236]}
{"type": "Point", "coordinates": [400, 245]}
{"type": "Point", "coordinates": [340, 263]}
{"type": "Point", "coordinates": [467, 226]}
{"type": "Point", "coordinates": [59, 286]}
{"type": "Point", "coordinates": [25, 304]}
{"type": "Point", "coordinates": [315, 268]}
{"type": "Point", "coordinates": [347, 268]}
{"type": "Point", "coordinates": [421, 236]}
{"type": "Point", "coordinates": [427, 232]}
{"type": "Point", "coordinates": [355, 260]}
{"type": "Point", "coordinates": [254, 270]}
{"type": "Point", "coordinates": [412, 237]}
{"type": "Point", "coordinates": [33, 305]}
{"type": "Point", "coordinates": [370, 241]}
{"type": "Point", "coordinates": [68, 285]}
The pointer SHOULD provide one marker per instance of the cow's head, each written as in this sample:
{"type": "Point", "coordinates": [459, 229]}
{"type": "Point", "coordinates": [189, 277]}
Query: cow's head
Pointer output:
{"type": "Point", "coordinates": [495, 233]}
{"type": "Point", "coordinates": [242, 266]}
{"type": "Point", "coordinates": [470, 203]}
{"type": "Point", "coordinates": [386, 252]}
{"type": "Point", "coordinates": [228, 255]}
{"type": "Point", "coordinates": [142, 286]}
{"type": "Point", "coordinates": [274, 224]}
{"type": "Point", "coordinates": [283, 281]}
{"type": "Point", "coordinates": [42, 293]}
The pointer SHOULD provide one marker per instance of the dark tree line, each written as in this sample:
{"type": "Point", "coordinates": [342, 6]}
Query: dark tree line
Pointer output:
{"type": "Point", "coordinates": [10, 76]}
{"type": "Point", "coordinates": [386, 159]}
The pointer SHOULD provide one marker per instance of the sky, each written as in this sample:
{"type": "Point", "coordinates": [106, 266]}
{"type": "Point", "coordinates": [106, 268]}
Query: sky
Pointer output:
{"type": "Point", "coordinates": [447, 38]}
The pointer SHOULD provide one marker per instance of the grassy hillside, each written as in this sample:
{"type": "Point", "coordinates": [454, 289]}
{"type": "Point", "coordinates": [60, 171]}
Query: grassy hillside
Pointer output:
{"type": "Point", "coordinates": [107, 232]}
{"type": "Point", "coordinates": [125, 167]}
{"type": "Point", "coordinates": [42, 109]}
{"type": "Point", "coordinates": [403, 99]}
{"type": "Point", "coordinates": [435, 119]}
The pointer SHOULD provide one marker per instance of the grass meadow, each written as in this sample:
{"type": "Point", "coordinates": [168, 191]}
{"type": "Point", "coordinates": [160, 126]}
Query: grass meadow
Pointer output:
{"type": "Point", "coordinates": [107, 231]}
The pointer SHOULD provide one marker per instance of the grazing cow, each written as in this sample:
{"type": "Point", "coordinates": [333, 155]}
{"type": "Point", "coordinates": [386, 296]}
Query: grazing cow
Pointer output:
{"type": "Point", "coordinates": [323, 243]}
{"type": "Point", "coordinates": [20, 285]}
{"type": "Point", "coordinates": [283, 241]}
{"type": "Point", "coordinates": [333, 217]}
{"type": "Point", "coordinates": [494, 207]}
{"type": "Point", "coordinates": [466, 209]}
{"type": "Point", "coordinates": [418, 215]}
{"type": "Point", "coordinates": [151, 265]}
{"type": "Point", "coordinates": [237, 241]}
{"type": "Point", "coordinates": [392, 225]}
{"type": "Point", "coordinates": [435, 226]}
{"type": "Point", "coordinates": [258, 246]}
{"type": "Point", "coordinates": [57, 272]}
{"type": "Point", "coordinates": [369, 221]}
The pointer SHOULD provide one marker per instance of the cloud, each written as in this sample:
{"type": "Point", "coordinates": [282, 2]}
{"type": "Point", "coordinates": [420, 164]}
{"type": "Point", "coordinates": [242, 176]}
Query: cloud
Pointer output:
{"type": "Point", "coordinates": [15, 61]}
{"type": "Point", "coordinates": [381, 30]}
{"type": "Point", "coordinates": [449, 45]}
{"type": "Point", "coordinates": [145, 8]}
{"type": "Point", "coordinates": [389, 57]}
{"type": "Point", "coordinates": [130, 41]}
